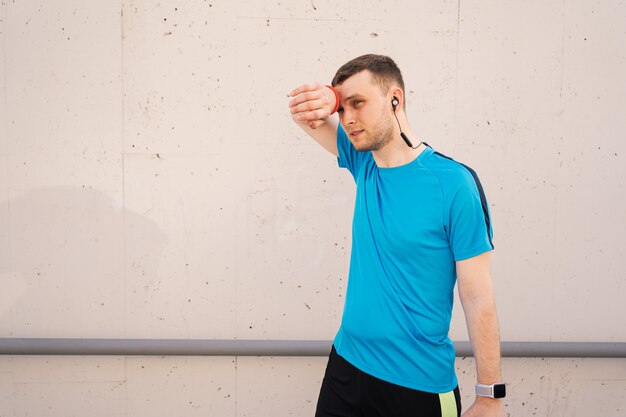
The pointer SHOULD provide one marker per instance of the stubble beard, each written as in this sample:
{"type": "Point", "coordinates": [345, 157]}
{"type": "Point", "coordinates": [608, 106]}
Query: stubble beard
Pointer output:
{"type": "Point", "coordinates": [381, 136]}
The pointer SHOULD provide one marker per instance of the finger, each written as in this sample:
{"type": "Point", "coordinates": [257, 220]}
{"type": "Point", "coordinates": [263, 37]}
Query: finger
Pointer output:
{"type": "Point", "coordinates": [310, 116]}
{"type": "Point", "coordinates": [304, 88]}
{"type": "Point", "coordinates": [309, 105]}
{"type": "Point", "coordinates": [306, 96]}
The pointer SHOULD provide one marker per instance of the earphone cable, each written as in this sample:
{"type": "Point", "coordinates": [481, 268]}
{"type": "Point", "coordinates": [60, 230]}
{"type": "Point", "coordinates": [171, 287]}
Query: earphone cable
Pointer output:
{"type": "Point", "coordinates": [408, 142]}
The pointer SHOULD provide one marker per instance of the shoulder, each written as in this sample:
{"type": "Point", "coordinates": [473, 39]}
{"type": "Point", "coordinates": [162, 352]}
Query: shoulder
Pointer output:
{"type": "Point", "coordinates": [451, 173]}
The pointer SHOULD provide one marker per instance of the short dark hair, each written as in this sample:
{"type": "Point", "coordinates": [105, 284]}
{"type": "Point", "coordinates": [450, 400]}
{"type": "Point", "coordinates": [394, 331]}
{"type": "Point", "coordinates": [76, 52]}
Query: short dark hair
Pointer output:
{"type": "Point", "coordinates": [383, 69]}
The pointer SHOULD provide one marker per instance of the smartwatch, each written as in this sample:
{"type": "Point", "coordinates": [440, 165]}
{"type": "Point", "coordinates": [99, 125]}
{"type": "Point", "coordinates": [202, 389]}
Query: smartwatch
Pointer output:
{"type": "Point", "coordinates": [493, 391]}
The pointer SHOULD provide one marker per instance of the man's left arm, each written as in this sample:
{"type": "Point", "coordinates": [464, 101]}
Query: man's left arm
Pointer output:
{"type": "Point", "coordinates": [478, 300]}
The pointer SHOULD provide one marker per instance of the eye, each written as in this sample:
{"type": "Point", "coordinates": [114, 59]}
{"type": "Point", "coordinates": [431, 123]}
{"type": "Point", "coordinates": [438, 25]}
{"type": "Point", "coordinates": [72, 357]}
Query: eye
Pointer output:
{"type": "Point", "coordinates": [357, 103]}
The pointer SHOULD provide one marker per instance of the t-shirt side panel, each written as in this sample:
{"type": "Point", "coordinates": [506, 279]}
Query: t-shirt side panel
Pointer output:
{"type": "Point", "coordinates": [484, 204]}
{"type": "Point", "coordinates": [470, 233]}
{"type": "Point", "coordinates": [466, 211]}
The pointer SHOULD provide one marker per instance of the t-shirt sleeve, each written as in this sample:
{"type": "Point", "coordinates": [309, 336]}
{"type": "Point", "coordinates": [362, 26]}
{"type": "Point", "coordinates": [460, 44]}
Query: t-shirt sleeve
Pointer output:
{"type": "Point", "coordinates": [467, 218]}
{"type": "Point", "coordinates": [348, 157]}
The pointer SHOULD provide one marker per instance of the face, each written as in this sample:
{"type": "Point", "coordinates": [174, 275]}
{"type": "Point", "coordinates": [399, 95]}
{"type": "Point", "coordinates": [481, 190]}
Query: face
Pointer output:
{"type": "Point", "coordinates": [365, 112]}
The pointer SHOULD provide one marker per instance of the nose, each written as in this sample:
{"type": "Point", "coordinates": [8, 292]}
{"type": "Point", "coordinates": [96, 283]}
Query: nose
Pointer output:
{"type": "Point", "coordinates": [346, 117]}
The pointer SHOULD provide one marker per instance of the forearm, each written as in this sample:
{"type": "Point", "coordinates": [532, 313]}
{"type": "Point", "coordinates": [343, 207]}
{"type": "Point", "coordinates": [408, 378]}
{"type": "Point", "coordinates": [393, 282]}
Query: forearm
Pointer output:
{"type": "Point", "coordinates": [477, 296]}
{"type": "Point", "coordinates": [325, 134]}
{"type": "Point", "coordinates": [483, 329]}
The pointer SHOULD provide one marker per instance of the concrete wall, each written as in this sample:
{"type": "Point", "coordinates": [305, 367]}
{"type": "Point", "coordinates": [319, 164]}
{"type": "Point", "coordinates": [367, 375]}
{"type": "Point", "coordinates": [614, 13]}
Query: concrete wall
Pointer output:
{"type": "Point", "coordinates": [152, 185]}
{"type": "Point", "coordinates": [247, 386]}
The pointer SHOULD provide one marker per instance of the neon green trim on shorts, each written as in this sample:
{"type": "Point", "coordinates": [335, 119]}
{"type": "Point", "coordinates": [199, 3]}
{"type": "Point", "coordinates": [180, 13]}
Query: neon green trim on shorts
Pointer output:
{"type": "Point", "coordinates": [448, 404]}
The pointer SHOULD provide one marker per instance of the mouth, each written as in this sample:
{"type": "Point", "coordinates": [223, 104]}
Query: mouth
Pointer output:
{"type": "Point", "coordinates": [355, 133]}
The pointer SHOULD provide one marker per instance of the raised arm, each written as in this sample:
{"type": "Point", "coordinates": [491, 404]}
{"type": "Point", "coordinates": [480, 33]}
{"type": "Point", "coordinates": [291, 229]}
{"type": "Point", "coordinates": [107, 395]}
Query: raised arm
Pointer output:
{"type": "Point", "coordinates": [477, 297]}
{"type": "Point", "coordinates": [310, 109]}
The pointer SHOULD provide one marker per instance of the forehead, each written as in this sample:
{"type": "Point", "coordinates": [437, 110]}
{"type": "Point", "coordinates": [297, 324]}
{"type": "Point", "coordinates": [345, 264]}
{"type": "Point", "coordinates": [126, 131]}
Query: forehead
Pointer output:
{"type": "Point", "coordinates": [360, 83]}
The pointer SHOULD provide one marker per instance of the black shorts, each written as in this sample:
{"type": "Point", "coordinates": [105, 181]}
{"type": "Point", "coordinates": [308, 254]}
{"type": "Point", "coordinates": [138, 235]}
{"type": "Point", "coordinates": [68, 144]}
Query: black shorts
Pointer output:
{"type": "Point", "coordinates": [349, 392]}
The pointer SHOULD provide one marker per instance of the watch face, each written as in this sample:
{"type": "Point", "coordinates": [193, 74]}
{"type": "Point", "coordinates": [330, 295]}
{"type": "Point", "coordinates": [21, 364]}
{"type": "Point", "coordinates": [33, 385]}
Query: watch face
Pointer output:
{"type": "Point", "coordinates": [499, 391]}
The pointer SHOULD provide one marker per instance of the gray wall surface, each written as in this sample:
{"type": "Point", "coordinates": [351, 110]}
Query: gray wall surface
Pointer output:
{"type": "Point", "coordinates": [152, 185]}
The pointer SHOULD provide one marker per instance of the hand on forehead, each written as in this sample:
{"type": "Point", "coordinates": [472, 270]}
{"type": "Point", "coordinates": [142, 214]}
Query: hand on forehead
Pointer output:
{"type": "Point", "coordinates": [360, 84]}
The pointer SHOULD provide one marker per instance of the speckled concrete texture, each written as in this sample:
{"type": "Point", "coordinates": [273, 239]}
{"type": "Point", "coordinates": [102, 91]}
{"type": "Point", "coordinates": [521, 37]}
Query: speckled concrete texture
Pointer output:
{"type": "Point", "coordinates": [153, 185]}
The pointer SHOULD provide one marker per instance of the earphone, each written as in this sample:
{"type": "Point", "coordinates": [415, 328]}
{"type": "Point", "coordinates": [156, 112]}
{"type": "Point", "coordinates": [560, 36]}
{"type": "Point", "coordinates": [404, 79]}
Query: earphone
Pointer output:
{"type": "Point", "coordinates": [394, 104]}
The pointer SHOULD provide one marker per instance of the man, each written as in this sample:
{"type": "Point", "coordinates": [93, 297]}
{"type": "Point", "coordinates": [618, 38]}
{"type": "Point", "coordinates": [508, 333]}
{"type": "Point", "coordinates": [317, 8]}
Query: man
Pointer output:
{"type": "Point", "coordinates": [421, 223]}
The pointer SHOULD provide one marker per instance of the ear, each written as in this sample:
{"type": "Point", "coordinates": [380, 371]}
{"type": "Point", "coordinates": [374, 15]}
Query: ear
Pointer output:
{"type": "Point", "coordinates": [399, 94]}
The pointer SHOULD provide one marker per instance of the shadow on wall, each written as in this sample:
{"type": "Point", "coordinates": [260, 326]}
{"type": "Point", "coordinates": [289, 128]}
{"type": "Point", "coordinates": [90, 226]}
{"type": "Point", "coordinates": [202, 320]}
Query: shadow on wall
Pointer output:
{"type": "Point", "coordinates": [69, 253]}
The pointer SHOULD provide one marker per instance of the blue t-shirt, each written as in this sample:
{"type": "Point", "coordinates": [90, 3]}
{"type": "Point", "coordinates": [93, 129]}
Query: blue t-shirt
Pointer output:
{"type": "Point", "coordinates": [411, 223]}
